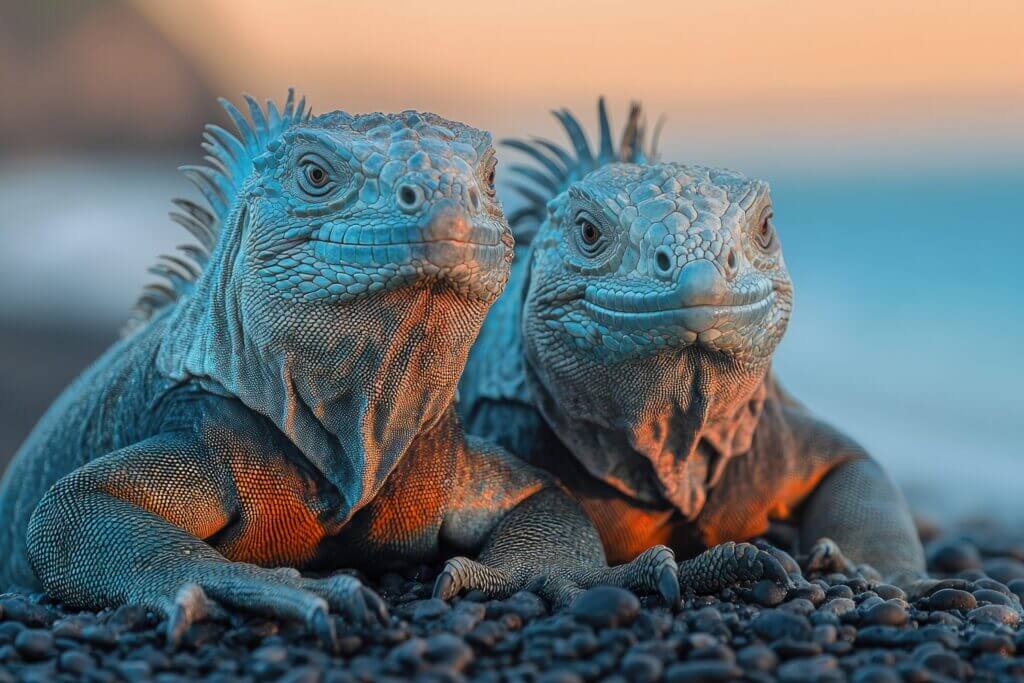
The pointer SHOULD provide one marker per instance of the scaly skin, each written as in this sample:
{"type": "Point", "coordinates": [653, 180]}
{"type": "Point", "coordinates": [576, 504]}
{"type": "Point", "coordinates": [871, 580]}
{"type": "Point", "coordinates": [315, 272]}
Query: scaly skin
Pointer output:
{"type": "Point", "coordinates": [631, 357]}
{"type": "Point", "coordinates": [291, 404]}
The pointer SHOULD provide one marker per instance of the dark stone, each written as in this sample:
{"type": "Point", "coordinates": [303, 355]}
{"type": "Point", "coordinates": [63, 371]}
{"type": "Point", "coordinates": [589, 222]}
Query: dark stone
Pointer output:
{"type": "Point", "coordinates": [992, 597]}
{"type": "Point", "coordinates": [886, 614]}
{"type": "Point", "coordinates": [1004, 569]}
{"type": "Point", "coordinates": [953, 556]}
{"type": "Point", "coordinates": [16, 608]}
{"type": "Point", "coordinates": [775, 624]}
{"type": "Point", "coordinates": [819, 668]}
{"type": "Point", "coordinates": [702, 672]}
{"type": "Point", "coordinates": [951, 598]}
{"type": "Point", "coordinates": [606, 606]}
{"type": "Point", "coordinates": [641, 668]}
{"type": "Point", "coordinates": [787, 648]}
{"type": "Point", "coordinates": [767, 593]}
{"type": "Point", "coordinates": [839, 606]}
{"type": "Point", "coordinates": [887, 591]}
{"type": "Point", "coordinates": [757, 657]}
{"type": "Point", "coordinates": [76, 662]}
{"type": "Point", "coordinates": [811, 592]}
{"type": "Point", "coordinates": [880, 636]}
{"type": "Point", "coordinates": [526, 605]}
{"type": "Point", "coordinates": [994, 614]}
{"type": "Point", "coordinates": [449, 650]}
{"type": "Point", "coordinates": [433, 608]}
{"type": "Point", "coordinates": [874, 673]}
{"type": "Point", "coordinates": [839, 591]}
{"type": "Point", "coordinates": [34, 644]}
{"type": "Point", "coordinates": [992, 642]}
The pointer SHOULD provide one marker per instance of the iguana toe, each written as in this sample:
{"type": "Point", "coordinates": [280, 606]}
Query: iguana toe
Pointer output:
{"type": "Point", "coordinates": [463, 574]}
{"type": "Point", "coordinates": [730, 564]}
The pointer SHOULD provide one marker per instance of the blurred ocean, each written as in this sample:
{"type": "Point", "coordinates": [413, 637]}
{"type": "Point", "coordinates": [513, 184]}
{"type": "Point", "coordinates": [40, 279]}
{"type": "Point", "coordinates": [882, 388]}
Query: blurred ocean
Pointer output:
{"type": "Point", "coordinates": [907, 331]}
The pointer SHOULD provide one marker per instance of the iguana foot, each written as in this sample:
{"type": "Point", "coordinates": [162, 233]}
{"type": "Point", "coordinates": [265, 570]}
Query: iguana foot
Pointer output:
{"type": "Point", "coordinates": [277, 593]}
{"type": "Point", "coordinates": [730, 564]}
{"type": "Point", "coordinates": [826, 557]}
{"type": "Point", "coordinates": [653, 571]}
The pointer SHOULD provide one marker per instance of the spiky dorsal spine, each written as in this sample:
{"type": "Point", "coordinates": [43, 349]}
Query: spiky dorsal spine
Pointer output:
{"type": "Point", "coordinates": [557, 167]}
{"type": "Point", "coordinates": [228, 164]}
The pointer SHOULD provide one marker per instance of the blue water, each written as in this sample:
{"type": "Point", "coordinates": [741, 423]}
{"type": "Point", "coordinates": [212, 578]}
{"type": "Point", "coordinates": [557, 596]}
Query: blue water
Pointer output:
{"type": "Point", "coordinates": [908, 329]}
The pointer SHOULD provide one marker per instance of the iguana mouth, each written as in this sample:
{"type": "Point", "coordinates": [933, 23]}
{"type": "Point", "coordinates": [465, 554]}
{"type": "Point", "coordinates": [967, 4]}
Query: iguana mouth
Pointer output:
{"type": "Point", "coordinates": [639, 313]}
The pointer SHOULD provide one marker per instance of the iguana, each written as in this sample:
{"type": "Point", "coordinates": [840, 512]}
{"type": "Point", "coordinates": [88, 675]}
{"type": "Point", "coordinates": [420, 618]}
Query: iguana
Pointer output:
{"type": "Point", "coordinates": [630, 355]}
{"type": "Point", "coordinates": [288, 402]}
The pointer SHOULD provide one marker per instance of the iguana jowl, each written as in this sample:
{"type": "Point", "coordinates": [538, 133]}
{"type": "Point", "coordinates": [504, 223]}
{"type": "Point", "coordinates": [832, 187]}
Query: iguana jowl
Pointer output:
{"type": "Point", "coordinates": [630, 355]}
{"type": "Point", "coordinates": [291, 404]}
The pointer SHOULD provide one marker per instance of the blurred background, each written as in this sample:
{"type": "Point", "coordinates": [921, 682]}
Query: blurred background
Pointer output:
{"type": "Point", "coordinates": [892, 134]}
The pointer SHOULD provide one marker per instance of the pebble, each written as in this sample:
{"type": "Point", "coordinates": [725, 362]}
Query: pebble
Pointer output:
{"type": "Point", "coordinates": [830, 627]}
{"type": "Point", "coordinates": [606, 606]}
{"type": "Point", "coordinates": [775, 624]}
{"type": "Point", "coordinates": [886, 614]}
{"type": "Point", "coordinates": [34, 644]}
{"type": "Point", "coordinates": [950, 599]}
{"type": "Point", "coordinates": [819, 668]}
{"type": "Point", "coordinates": [641, 668]}
{"type": "Point", "coordinates": [953, 556]}
{"type": "Point", "coordinates": [702, 672]}
{"type": "Point", "coordinates": [994, 614]}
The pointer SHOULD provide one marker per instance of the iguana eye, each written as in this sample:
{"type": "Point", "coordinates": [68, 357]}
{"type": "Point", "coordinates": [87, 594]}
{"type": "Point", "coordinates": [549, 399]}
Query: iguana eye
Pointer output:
{"type": "Point", "coordinates": [589, 232]}
{"type": "Point", "coordinates": [315, 177]}
{"type": "Point", "coordinates": [765, 234]}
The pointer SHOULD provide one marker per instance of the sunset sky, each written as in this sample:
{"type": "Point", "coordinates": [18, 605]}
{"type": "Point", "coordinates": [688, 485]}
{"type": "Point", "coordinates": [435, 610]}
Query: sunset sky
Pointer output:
{"type": "Point", "coordinates": [935, 80]}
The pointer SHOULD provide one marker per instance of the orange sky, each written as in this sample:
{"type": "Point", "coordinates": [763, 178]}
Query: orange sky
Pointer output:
{"type": "Point", "coordinates": [933, 70]}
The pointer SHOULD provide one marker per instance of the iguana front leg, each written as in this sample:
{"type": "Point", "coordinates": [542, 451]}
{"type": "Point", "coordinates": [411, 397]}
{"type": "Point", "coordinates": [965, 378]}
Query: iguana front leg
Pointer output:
{"type": "Point", "coordinates": [859, 509]}
{"type": "Point", "coordinates": [128, 528]}
{"type": "Point", "coordinates": [543, 540]}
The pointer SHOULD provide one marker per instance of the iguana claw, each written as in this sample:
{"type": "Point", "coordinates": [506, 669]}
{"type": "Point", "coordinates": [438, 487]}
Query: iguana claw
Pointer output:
{"type": "Point", "coordinates": [668, 587]}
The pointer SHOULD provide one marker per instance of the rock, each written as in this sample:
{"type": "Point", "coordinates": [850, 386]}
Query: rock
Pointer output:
{"type": "Point", "coordinates": [820, 668]}
{"type": "Point", "coordinates": [839, 591]}
{"type": "Point", "coordinates": [953, 556]}
{"type": "Point", "coordinates": [994, 614]}
{"type": "Point", "coordinates": [992, 642]}
{"type": "Point", "coordinates": [767, 593]}
{"type": "Point", "coordinates": [605, 607]}
{"type": "Point", "coordinates": [987, 595]}
{"type": "Point", "coordinates": [874, 673]}
{"type": "Point", "coordinates": [775, 624]}
{"type": "Point", "coordinates": [641, 668]}
{"type": "Point", "coordinates": [950, 599]}
{"type": "Point", "coordinates": [886, 614]}
{"type": "Point", "coordinates": [1004, 569]}
{"type": "Point", "coordinates": [839, 606]}
{"type": "Point", "coordinates": [887, 591]}
{"type": "Point", "coordinates": [449, 651]}
{"type": "Point", "coordinates": [757, 657]}
{"type": "Point", "coordinates": [34, 644]}
{"type": "Point", "coordinates": [526, 605]}
{"type": "Point", "coordinates": [810, 592]}
{"type": "Point", "coordinates": [75, 662]}
{"type": "Point", "coordinates": [702, 672]}
{"type": "Point", "coordinates": [432, 608]}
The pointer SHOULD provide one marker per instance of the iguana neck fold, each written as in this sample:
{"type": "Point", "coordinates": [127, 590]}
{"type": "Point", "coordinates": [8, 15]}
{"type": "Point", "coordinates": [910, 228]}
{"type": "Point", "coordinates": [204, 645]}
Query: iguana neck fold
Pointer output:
{"type": "Point", "coordinates": [669, 445]}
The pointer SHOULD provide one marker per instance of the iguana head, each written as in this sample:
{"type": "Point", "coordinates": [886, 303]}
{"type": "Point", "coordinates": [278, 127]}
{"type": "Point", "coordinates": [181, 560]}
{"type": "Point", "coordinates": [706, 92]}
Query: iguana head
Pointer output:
{"type": "Point", "coordinates": [657, 295]}
{"type": "Point", "coordinates": [353, 261]}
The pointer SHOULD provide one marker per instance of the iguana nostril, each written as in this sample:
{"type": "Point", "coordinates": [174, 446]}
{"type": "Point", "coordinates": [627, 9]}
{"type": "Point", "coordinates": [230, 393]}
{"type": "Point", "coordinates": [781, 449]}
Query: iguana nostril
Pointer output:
{"type": "Point", "coordinates": [474, 199]}
{"type": "Point", "coordinates": [663, 260]}
{"type": "Point", "coordinates": [730, 260]}
{"type": "Point", "coordinates": [410, 197]}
